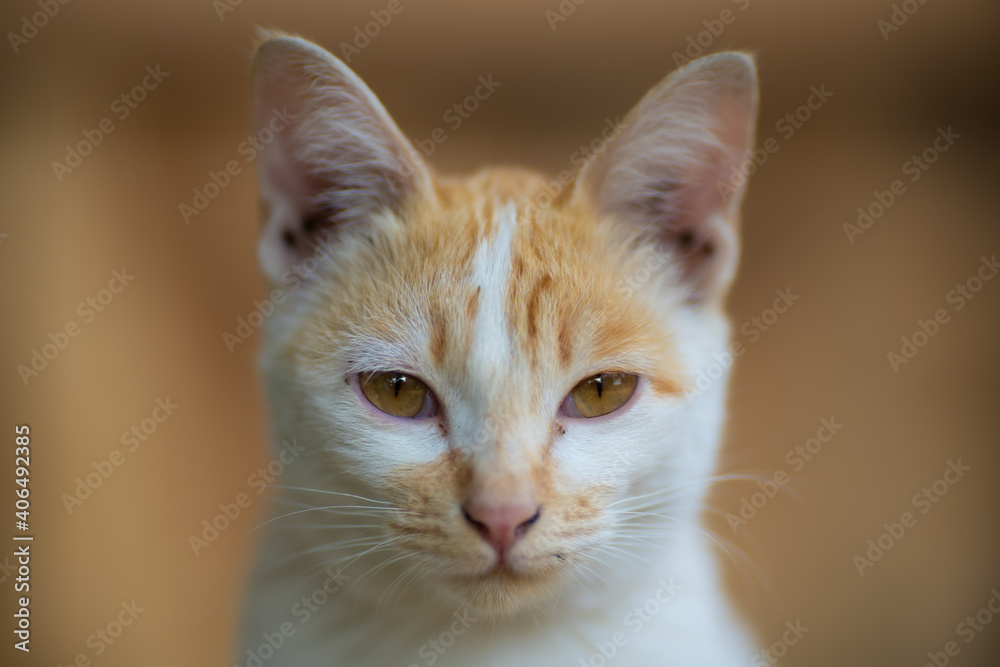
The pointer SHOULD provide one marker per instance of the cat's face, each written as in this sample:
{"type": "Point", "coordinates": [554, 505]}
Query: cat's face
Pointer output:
{"type": "Point", "coordinates": [474, 329]}
{"type": "Point", "coordinates": [497, 377]}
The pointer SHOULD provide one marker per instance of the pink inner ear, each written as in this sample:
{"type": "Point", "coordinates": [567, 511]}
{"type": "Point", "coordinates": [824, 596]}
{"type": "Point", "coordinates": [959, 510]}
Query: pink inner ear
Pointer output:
{"type": "Point", "coordinates": [663, 174]}
{"type": "Point", "coordinates": [340, 158]}
{"type": "Point", "coordinates": [305, 220]}
{"type": "Point", "coordinates": [696, 228]}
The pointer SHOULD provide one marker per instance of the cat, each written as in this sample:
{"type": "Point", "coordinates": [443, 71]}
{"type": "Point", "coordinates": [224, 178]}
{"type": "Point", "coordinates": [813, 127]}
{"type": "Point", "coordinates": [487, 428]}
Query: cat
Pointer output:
{"type": "Point", "coordinates": [503, 456]}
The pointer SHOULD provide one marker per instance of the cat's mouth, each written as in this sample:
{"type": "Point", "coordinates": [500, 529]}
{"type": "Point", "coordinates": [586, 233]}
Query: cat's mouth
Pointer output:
{"type": "Point", "coordinates": [522, 564]}
{"type": "Point", "coordinates": [502, 590]}
{"type": "Point", "coordinates": [502, 570]}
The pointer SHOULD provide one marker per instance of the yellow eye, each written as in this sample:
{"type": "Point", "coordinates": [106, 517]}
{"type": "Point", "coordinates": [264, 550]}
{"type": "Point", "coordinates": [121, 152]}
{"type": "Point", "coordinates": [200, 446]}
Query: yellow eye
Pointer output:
{"type": "Point", "coordinates": [599, 395]}
{"type": "Point", "coordinates": [399, 394]}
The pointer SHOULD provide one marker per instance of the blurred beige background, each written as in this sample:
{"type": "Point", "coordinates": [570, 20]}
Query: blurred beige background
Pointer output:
{"type": "Point", "coordinates": [161, 336]}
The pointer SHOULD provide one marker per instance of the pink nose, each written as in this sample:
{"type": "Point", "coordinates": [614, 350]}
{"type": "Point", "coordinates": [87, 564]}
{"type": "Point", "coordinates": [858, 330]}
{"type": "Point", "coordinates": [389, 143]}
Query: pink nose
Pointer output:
{"type": "Point", "coordinates": [501, 523]}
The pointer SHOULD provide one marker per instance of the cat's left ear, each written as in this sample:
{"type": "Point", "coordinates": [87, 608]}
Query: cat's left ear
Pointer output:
{"type": "Point", "coordinates": [673, 173]}
{"type": "Point", "coordinates": [329, 154]}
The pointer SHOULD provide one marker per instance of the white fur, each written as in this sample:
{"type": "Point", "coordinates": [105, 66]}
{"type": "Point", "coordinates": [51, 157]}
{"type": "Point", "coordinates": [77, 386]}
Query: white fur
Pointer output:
{"type": "Point", "coordinates": [491, 275]}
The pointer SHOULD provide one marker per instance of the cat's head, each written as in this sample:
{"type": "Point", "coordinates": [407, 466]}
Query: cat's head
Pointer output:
{"type": "Point", "coordinates": [498, 363]}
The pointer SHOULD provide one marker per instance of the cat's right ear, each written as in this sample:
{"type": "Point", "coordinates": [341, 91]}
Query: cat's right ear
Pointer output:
{"type": "Point", "coordinates": [675, 172]}
{"type": "Point", "coordinates": [329, 155]}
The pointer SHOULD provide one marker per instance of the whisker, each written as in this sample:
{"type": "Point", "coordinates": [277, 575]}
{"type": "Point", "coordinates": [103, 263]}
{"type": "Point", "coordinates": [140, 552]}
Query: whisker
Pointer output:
{"type": "Point", "coordinates": [351, 558]}
{"type": "Point", "coordinates": [348, 544]}
{"type": "Point", "coordinates": [368, 576]}
{"type": "Point", "coordinates": [395, 582]}
{"type": "Point", "coordinates": [327, 508]}
{"type": "Point", "coordinates": [582, 566]}
{"type": "Point", "coordinates": [333, 493]}
{"type": "Point", "coordinates": [695, 486]}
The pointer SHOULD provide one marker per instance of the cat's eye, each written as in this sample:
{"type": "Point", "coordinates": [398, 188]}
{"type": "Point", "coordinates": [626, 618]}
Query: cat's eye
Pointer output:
{"type": "Point", "coordinates": [600, 395]}
{"type": "Point", "coordinates": [399, 394]}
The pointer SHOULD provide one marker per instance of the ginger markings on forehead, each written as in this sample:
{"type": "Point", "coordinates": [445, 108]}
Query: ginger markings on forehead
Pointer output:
{"type": "Point", "coordinates": [562, 303]}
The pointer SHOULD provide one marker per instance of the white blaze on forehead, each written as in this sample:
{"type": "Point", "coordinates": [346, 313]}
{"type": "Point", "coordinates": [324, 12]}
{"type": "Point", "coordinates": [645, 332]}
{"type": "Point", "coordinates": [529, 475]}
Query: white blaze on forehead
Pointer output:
{"type": "Point", "coordinates": [491, 269]}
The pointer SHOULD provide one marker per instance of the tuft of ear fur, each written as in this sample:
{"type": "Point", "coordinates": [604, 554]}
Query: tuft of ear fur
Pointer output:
{"type": "Point", "coordinates": [331, 154]}
{"type": "Point", "coordinates": [673, 173]}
